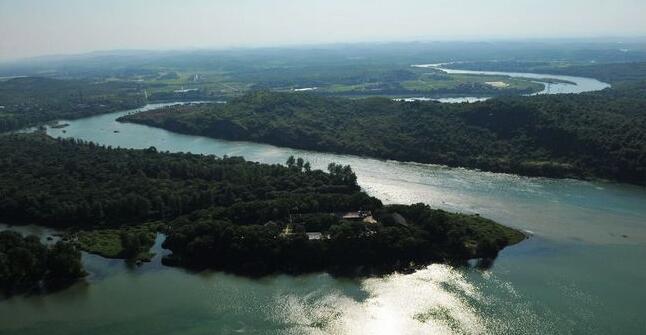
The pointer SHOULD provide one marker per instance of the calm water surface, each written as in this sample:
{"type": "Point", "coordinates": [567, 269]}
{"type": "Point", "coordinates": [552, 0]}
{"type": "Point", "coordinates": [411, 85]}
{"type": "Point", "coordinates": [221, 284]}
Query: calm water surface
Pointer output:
{"type": "Point", "coordinates": [571, 84]}
{"type": "Point", "coordinates": [582, 271]}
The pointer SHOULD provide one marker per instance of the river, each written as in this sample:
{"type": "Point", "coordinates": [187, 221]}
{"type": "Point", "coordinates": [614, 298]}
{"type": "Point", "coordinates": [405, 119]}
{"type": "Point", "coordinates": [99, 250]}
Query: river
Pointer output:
{"type": "Point", "coordinates": [562, 85]}
{"type": "Point", "coordinates": [582, 271]}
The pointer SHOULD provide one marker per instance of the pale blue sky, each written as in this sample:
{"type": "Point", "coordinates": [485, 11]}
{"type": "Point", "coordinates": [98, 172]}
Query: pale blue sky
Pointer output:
{"type": "Point", "coordinates": [36, 27]}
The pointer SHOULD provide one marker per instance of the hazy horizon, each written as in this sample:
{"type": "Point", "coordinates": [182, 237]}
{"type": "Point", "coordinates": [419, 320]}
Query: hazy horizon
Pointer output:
{"type": "Point", "coordinates": [36, 27]}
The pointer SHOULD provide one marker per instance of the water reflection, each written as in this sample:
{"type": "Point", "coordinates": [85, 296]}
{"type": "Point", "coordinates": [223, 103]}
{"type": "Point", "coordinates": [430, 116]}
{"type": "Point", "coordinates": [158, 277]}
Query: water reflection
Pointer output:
{"type": "Point", "coordinates": [435, 300]}
{"type": "Point", "coordinates": [578, 274]}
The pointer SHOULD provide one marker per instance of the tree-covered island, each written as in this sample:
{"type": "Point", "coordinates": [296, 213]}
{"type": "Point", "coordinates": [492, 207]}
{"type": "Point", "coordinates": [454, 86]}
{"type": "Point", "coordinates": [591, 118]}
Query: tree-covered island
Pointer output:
{"type": "Point", "coordinates": [228, 213]}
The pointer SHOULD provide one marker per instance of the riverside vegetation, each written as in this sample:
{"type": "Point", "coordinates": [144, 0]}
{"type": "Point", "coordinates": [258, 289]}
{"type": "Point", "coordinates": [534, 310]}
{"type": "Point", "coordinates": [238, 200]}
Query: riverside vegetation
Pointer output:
{"type": "Point", "coordinates": [589, 135]}
{"type": "Point", "coordinates": [26, 264]}
{"type": "Point", "coordinates": [227, 213]}
{"type": "Point", "coordinates": [30, 101]}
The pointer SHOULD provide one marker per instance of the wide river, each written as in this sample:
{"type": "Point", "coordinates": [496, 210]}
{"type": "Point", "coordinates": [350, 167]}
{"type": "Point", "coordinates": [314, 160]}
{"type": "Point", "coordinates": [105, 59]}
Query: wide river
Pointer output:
{"type": "Point", "coordinates": [583, 271]}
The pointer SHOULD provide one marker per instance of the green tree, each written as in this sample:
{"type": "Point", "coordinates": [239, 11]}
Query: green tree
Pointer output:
{"type": "Point", "coordinates": [291, 161]}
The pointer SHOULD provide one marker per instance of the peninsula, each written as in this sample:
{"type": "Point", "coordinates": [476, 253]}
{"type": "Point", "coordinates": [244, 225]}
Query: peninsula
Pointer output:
{"type": "Point", "coordinates": [228, 213]}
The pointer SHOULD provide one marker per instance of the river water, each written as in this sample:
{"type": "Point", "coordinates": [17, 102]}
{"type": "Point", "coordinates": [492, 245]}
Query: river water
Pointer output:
{"type": "Point", "coordinates": [582, 271]}
{"type": "Point", "coordinates": [564, 84]}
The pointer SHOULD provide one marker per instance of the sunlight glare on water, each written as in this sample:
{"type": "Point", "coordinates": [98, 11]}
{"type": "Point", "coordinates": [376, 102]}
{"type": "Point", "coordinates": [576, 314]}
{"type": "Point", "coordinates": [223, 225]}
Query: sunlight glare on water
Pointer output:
{"type": "Point", "coordinates": [550, 284]}
{"type": "Point", "coordinates": [434, 300]}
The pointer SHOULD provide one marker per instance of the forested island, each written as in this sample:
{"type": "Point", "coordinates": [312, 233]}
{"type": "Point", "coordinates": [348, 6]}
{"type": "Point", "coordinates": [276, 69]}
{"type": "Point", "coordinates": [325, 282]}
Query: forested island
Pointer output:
{"type": "Point", "coordinates": [228, 213]}
{"type": "Point", "coordinates": [597, 135]}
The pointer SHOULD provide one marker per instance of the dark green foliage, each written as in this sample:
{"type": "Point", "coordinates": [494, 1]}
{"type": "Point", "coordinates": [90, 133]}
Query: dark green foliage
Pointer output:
{"type": "Point", "coordinates": [222, 213]}
{"type": "Point", "coordinates": [404, 237]}
{"type": "Point", "coordinates": [26, 263]}
{"type": "Point", "coordinates": [28, 101]}
{"type": "Point", "coordinates": [64, 263]}
{"type": "Point", "coordinates": [132, 243]}
{"type": "Point", "coordinates": [591, 135]}
{"type": "Point", "coordinates": [70, 183]}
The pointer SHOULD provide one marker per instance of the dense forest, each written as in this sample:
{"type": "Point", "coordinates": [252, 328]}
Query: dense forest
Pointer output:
{"type": "Point", "coordinates": [589, 135]}
{"type": "Point", "coordinates": [65, 183]}
{"type": "Point", "coordinates": [229, 213]}
{"type": "Point", "coordinates": [27, 264]}
{"type": "Point", "coordinates": [32, 100]}
{"type": "Point", "coordinates": [401, 238]}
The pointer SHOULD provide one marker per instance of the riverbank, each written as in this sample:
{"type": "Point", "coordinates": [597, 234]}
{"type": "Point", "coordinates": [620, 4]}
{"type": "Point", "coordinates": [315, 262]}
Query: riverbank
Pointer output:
{"type": "Point", "coordinates": [550, 283]}
{"type": "Point", "coordinates": [227, 213]}
{"type": "Point", "coordinates": [29, 265]}
{"type": "Point", "coordinates": [562, 136]}
{"type": "Point", "coordinates": [553, 83]}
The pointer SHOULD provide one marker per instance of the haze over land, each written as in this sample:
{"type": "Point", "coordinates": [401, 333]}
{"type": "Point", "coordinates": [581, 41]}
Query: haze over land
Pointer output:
{"type": "Point", "coordinates": [41, 27]}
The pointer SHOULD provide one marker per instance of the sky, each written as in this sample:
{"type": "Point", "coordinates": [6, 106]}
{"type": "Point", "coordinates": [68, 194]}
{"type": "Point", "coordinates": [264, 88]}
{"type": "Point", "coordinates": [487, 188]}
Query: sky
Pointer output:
{"type": "Point", "coordinates": [44, 27]}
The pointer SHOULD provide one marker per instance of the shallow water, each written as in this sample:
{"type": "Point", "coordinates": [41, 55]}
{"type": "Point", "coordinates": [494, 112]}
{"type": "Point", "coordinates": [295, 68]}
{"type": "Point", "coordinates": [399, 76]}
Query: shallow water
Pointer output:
{"type": "Point", "coordinates": [581, 272]}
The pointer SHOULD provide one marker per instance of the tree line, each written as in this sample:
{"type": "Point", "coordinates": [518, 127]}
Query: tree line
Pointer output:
{"type": "Point", "coordinates": [402, 238]}
{"type": "Point", "coordinates": [27, 264]}
{"type": "Point", "coordinates": [589, 135]}
{"type": "Point", "coordinates": [29, 101]}
{"type": "Point", "coordinates": [227, 213]}
{"type": "Point", "coordinates": [67, 182]}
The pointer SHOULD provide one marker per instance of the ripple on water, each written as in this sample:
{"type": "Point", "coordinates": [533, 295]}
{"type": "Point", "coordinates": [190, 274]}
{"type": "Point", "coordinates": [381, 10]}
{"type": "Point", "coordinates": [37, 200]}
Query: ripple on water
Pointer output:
{"type": "Point", "coordinates": [435, 300]}
{"type": "Point", "coordinates": [438, 299]}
